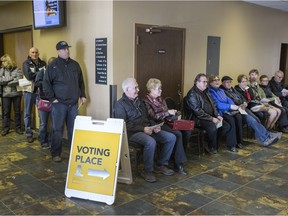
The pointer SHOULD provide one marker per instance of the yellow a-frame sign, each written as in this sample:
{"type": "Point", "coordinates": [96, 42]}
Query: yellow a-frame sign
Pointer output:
{"type": "Point", "coordinates": [95, 158]}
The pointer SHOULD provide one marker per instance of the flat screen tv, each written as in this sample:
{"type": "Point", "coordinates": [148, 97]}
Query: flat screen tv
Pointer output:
{"type": "Point", "coordinates": [48, 13]}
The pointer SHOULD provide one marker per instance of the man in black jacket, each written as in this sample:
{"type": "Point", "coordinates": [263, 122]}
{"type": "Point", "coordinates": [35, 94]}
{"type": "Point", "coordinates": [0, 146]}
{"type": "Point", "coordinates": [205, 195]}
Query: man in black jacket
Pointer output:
{"type": "Point", "coordinates": [200, 103]}
{"type": "Point", "coordinates": [130, 108]}
{"type": "Point", "coordinates": [278, 88]}
{"type": "Point", "coordinates": [31, 66]}
{"type": "Point", "coordinates": [63, 85]}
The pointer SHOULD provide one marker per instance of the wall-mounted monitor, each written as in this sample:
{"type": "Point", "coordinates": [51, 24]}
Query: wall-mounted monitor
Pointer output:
{"type": "Point", "coordinates": [48, 13]}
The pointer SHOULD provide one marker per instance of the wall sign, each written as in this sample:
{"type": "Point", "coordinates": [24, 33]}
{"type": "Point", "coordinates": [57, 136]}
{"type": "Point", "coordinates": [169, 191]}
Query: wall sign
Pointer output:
{"type": "Point", "coordinates": [101, 61]}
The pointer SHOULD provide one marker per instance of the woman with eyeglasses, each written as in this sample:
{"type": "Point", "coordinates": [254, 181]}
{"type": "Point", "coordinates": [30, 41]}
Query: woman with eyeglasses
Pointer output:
{"type": "Point", "coordinates": [158, 111]}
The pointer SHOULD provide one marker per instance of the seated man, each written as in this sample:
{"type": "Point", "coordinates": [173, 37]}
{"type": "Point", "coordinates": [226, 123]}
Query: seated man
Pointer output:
{"type": "Point", "coordinates": [130, 108]}
{"type": "Point", "coordinates": [276, 102]}
{"type": "Point", "coordinates": [265, 137]}
{"type": "Point", "coordinates": [199, 102]}
{"type": "Point", "coordinates": [278, 88]}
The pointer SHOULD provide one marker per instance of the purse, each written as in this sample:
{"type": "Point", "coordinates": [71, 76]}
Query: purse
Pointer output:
{"type": "Point", "coordinates": [44, 105]}
{"type": "Point", "coordinates": [181, 124]}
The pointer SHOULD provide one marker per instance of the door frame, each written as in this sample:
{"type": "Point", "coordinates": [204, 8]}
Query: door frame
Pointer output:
{"type": "Point", "coordinates": [164, 27]}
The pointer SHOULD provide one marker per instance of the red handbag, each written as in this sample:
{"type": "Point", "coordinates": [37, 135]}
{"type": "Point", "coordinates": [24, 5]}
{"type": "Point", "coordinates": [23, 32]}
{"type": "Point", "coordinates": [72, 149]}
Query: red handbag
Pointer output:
{"type": "Point", "coordinates": [181, 124]}
{"type": "Point", "coordinates": [44, 105]}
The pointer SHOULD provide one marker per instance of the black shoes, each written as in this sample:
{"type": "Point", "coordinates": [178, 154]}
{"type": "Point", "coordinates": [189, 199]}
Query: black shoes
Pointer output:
{"type": "Point", "coordinates": [233, 149]}
{"type": "Point", "coordinates": [30, 139]}
{"type": "Point", "coordinates": [180, 169]}
{"type": "Point", "coordinates": [19, 131]}
{"type": "Point", "coordinates": [240, 146]}
{"type": "Point", "coordinates": [163, 169]}
{"type": "Point", "coordinates": [5, 132]}
{"type": "Point", "coordinates": [148, 176]}
{"type": "Point", "coordinates": [210, 151]}
{"type": "Point", "coordinates": [45, 146]}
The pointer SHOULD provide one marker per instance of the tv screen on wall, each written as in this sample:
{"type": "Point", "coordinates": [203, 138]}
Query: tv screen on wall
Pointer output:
{"type": "Point", "coordinates": [48, 14]}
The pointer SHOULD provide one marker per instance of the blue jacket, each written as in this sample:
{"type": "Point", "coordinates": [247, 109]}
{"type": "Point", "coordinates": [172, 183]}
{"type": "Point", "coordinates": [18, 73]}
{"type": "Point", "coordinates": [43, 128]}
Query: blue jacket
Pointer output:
{"type": "Point", "coordinates": [223, 102]}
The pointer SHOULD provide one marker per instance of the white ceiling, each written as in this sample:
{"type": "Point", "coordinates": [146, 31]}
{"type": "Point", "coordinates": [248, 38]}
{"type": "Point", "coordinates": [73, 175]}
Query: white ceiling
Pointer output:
{"type": "Point", "coordinates": [279, 4]}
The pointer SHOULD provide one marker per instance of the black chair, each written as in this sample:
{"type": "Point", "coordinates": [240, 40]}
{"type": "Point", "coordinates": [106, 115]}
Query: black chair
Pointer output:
{"type": "Point", "coordinates": [136, 153]}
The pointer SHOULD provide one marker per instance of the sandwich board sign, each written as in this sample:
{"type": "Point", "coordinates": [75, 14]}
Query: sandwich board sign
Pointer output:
{"type": "Point", "coordinates": [94, 159]}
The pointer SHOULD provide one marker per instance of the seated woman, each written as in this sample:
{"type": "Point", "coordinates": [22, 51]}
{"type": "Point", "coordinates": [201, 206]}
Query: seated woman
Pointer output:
{"type": "Point", "coordinates": [276, 102]}
{"type": "Point", "coordinates": [255, 105]}
{"type": "Point", "coordinates": [158, 111]}
{"type": "Point", "coordinates": [227, 109]}
{"type": "Point", "coordinates": [9, 80]}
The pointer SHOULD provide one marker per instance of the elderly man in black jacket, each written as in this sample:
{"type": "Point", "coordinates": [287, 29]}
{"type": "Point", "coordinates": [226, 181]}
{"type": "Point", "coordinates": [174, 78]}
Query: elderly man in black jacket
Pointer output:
{"type": "Point", "coordinates": [278, 88]}
{"type": "Point", "coordinates": [200, 103]}
{"type": "Point", "coordinates": [139, 130]}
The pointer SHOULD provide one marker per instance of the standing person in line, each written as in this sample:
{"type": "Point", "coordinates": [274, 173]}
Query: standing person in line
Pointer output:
{"type": "Point", "coordinates": [44, 135]}
{"type": "Point", "coordinates": [31, 66]}
{"type": "Point", "coordinates": [9, 76]}
{"type": "Point", "coordinates": [63, 85]}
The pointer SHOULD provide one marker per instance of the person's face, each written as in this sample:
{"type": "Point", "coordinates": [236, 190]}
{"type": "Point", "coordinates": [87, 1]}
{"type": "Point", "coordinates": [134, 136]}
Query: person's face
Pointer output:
{"type": "Point", "coordinates": [132, 90]}
{"type": "Point", "coordinates": [215, 83]}
{"type": "Point", "coordinates": [243, 83]}
{"type": "Point", "coordinates": [253, 77]}
{"type": "Point", "coordinates": [5, 64]}
{"type": "Point", "coordinates": [64, 53]}
{"type": "Point", "coordinates": [202, 83]}
{"type": "Point", "coordinates": [227, 84]}
{"type": "Point", "coordinates": [278, 77]}
{"type": "Point", "coordinates": [156, 92]}
{"type": "Point", "coordinates": [34, 53]}
{"type": "Point", "coordinates": [264, 81]}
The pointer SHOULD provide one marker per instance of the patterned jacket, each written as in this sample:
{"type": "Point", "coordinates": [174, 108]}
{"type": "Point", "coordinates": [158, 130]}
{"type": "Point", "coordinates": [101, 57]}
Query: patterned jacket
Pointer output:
{"type": "Point", "coordinates": [9, 81]}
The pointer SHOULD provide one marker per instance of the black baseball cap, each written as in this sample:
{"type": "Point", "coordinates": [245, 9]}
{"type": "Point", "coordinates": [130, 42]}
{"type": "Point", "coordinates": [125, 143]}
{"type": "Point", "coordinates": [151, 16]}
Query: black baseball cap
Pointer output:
{"type": "Point", "coordinates": [224, 78]}
{"type": "Point", "coordinates": [62, 45]}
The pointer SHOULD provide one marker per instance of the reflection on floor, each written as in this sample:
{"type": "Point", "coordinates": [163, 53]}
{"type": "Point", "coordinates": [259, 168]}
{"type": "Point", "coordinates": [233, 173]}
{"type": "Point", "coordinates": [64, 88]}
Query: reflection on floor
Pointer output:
{"type": "Point", "coordinates": [254, 181]}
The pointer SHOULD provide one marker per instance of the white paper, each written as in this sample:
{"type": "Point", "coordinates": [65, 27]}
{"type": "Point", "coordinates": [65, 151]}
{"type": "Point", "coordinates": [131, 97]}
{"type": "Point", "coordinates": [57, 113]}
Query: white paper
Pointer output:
{"type": "Point", "coordinates": [219, 124]}
{"type": "Point", "coordinates": [284, 90]}
{"type": "Point", "coordinates": [242, 111]}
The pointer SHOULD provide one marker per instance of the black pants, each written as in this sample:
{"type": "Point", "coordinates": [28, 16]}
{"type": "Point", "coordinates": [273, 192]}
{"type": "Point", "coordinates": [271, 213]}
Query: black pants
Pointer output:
{"type": "Point", "coordinates": [179, 153]}
{"type": "Point", "coordinates": [7, 105]}
{"type": "Point", "coordinates": [212, 133]}
{"type": "Point", "coordinates": [235, 122]}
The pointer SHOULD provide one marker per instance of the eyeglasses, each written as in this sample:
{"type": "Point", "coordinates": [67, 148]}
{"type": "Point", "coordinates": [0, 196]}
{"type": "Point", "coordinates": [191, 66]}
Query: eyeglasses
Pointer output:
{"type": "Point", "coordinates": [264, 80]}
{"type": "Point", "coordinates": [215, 80]}
{"type": "Point", "coordinates": [203, 81]}
{"type": "Point", "coordinates": [280, 77]}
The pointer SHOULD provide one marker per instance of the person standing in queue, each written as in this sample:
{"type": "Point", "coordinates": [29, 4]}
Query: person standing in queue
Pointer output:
{"type": "Point", "coordinates": [63, 85]}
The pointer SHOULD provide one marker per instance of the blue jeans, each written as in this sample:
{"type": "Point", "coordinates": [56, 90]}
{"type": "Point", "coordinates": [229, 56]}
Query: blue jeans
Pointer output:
{"type": "Point", "coordinates": [261, 132]}
{"type": "Point", "coordinates": [60, 114]}
{"type": "Point", "coordinates": [44, 135]}
{"type": "Point", "coordinates": [29, 101]}
{"type": "Point", "coordinates": [164, 138]}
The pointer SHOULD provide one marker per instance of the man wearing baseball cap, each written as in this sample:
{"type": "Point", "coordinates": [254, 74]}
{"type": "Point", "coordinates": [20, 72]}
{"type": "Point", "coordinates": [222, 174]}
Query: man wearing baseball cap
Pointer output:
{"type": "Point", "coordinates": [63, 85]}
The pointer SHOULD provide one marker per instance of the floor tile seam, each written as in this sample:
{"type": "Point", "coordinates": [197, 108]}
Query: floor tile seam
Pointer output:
{"type": "Point", "coordinates": [8, 207]}
{"type": "Point", "coordinates": [36, 179]}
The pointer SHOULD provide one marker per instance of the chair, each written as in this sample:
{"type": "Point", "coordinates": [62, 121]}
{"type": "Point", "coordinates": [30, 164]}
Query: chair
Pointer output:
{"type": "Point", "coordinates": [136, 152]}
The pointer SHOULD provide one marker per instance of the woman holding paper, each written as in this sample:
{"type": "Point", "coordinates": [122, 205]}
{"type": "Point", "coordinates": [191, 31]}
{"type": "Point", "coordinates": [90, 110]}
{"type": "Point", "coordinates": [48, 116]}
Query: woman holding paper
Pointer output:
{"type": "Point", "coordinates": [158, 111]}
{"type": "Point", "coordinates": [9, 76]}
{"type": "Point", "coordinates": [228, 110]}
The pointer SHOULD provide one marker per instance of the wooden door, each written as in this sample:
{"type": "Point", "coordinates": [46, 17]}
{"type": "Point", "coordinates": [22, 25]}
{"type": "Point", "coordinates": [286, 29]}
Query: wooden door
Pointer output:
{"type": "Point", "coordinates": [17, 45]}
{"type": "Point", "coordinates": [159, 53]}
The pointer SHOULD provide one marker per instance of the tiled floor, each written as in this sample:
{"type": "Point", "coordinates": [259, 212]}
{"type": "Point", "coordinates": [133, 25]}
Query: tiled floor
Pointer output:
{"type": "Point", "coordinates": [254, 181]}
